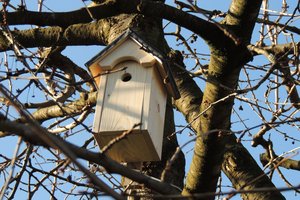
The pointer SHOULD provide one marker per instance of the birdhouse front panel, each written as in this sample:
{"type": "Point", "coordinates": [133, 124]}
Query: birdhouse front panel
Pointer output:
{"type": "Point", "coordinates": [127, 97]}
{"type": "Point", "coordinates": [123, 98]}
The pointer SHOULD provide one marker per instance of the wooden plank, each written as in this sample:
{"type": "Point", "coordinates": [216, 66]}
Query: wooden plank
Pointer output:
{"type": "Point", "coordinates": [136, 147]}
{"type": "Point", "coordinates": [156, 109]}
{"type": "Point", "coordinates": [99, 104]}
{"type": "Point", "coordinates": [123, 101]}
{"type": "Point", "coordinates": [128, 50]}
{"type": "Point", "coordinates": [95, 70]}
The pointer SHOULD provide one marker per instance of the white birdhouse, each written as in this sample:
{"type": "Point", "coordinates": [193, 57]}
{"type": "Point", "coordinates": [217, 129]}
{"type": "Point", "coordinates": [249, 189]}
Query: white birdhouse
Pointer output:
{"type": "Point", "coordinates": [132, 88]}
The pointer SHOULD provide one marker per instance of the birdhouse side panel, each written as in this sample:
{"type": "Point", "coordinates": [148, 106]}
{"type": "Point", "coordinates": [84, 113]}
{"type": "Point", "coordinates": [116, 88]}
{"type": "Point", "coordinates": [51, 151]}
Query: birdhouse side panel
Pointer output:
{"type": "Point", "coordinates": [96, 72]}
{"type": "Point", "coordinates": [123, 98]}
{"type": "Point", "coordinates": [154, 112]}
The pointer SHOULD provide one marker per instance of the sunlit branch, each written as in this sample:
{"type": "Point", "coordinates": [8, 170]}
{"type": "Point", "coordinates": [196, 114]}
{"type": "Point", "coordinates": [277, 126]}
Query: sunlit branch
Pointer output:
{"type": "Point", "coordinates": [13, 162]}
{"type": "Point", "coordinates": [287, 163]}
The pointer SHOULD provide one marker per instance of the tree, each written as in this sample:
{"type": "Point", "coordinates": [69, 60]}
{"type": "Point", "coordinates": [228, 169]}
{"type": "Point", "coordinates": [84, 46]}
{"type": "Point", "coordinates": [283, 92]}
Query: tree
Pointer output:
{"type": "Point", "coordinates": [47, 129]}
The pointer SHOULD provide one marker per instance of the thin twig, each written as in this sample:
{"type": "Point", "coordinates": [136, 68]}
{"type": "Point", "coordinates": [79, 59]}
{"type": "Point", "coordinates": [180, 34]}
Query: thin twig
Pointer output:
{"type": "Point", "coordinates": [119, 138]}
{"type": "Point", "coordinates": [13, 161]}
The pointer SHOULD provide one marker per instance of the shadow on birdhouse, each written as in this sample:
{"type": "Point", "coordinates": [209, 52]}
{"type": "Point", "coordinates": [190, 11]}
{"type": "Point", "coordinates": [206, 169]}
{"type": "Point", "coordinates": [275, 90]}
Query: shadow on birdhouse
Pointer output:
{"type": "Point", "coordinates": [132, 90]}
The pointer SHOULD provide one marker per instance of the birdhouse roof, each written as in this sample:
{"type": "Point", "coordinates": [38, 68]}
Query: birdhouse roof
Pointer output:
{"type": "Point", "coordinates": [163, 64]}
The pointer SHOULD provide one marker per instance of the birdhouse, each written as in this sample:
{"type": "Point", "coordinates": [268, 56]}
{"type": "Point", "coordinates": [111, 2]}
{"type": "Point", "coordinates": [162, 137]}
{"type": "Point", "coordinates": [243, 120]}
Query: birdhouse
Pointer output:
{"type": "Point", "coordinates": [133, 81]}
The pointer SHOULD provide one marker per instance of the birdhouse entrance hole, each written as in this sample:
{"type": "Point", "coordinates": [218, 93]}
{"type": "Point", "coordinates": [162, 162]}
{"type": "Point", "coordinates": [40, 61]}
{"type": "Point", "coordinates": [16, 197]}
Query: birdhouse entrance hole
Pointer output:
{"type": "Point", "coordinates": [126, 77]}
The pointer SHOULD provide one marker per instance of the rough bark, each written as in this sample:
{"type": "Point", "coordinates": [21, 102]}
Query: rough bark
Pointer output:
{"type": "Point", "coordinates": [244, 173]}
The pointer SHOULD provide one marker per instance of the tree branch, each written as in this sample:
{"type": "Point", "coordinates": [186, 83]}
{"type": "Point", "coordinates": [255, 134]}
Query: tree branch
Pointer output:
{"type": "Point", "coordinates": [111, 166]}
{"type": "Point", "coordinates": [73, 108]}
{"type": "Point", "coordinates": [280, 161]}
{"type": "Point", "coordinates": [208, 31]}
{"type": "Point", "coordinates": [78, 34]}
